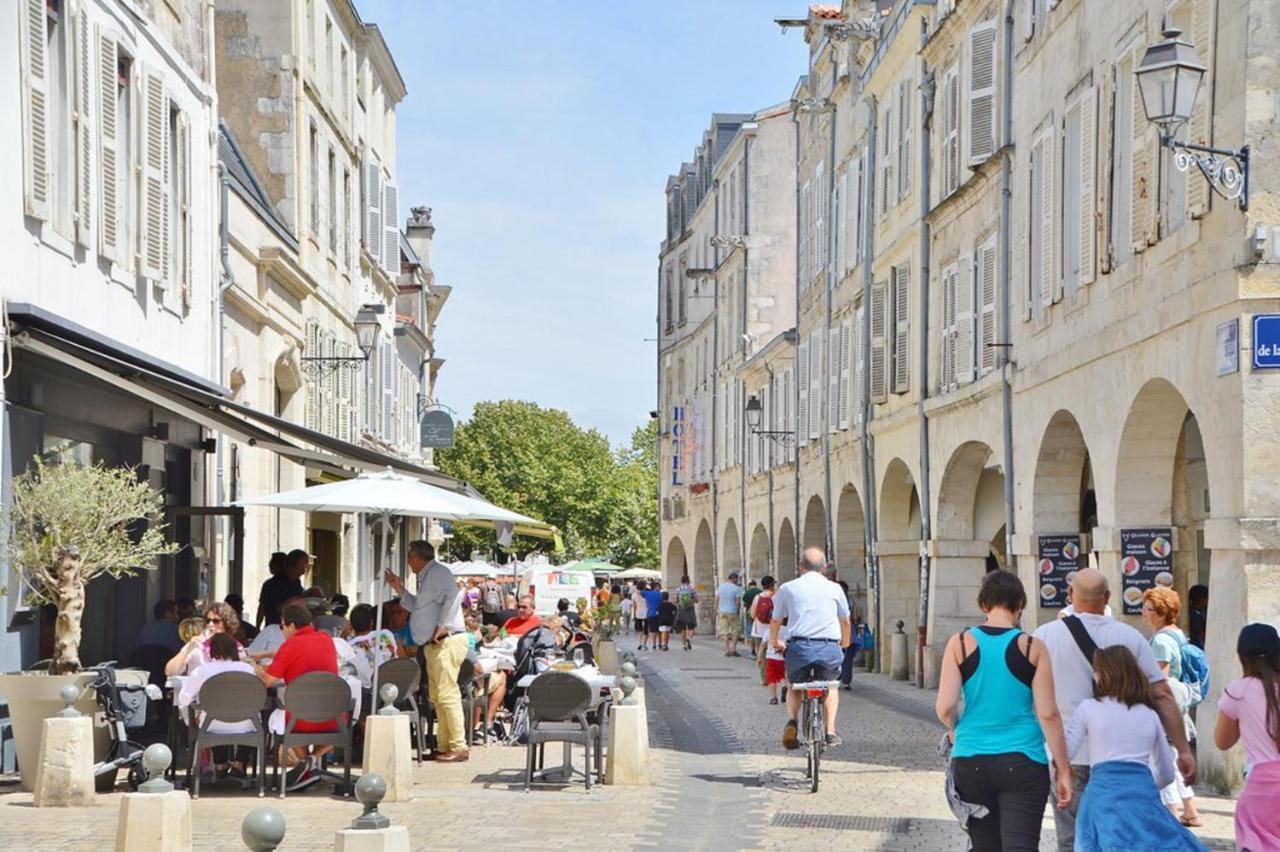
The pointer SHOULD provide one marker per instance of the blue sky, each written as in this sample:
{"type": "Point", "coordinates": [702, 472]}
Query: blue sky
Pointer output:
{"type": "Point", "coordinates": [542, 134]}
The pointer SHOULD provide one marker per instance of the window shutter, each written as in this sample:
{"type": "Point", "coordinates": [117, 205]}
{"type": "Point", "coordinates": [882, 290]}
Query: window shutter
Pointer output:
{"type": "Point", "coordinates": [788, 420]}
{"type": "Point", "coordinates": [1088, 193]}
{"type": "Point", "coordinates": [842, 403]}
{"type": "Point", "coordinates": [184, 223]}
{"type": "Point", "coordinates": [987, 295]}
{"type": "Point", "coordinates": [35, 102]}
{"type": "Point", "coordinates": [312, 350]}
{"type": "Point", "coordinates": [1043, 202]}
{"type": "Point", "coordinates": [327, 419]}
{"type": "Point", "coordinates": [388, 391]}
{"type": "Point", "coordinates": [391, 229]}
{"type": "Point", "coordinates": [853, 201]}
{"type": "Point", "coordinates": [84, 88]}
{"type": "Point", "coordinates": [815, 384]}
{"type": "Point", "coordinates": [805, 231]}
{"type": "Point", "coordinates": [839, 229]}
{"type": "Point", "coordinates": [951, 131]}
{"type": "Point", "coordinates": [1029, 20]}
{"type": "Point", "coordinates": [769, 419]}
{"type": "Point", "coordinates": [833, 378]}
{"type": "Point", "coordinates": [373, 232]}
{"type": "Point", "coordinates": [802, 392]}
{"type": "Point", "coordinates": [886, 164]}
{"type": "Point", "coordinates": [1142, 194]}
{"type": "Point", "coordinates": [859, 370]}
{"type": "Point", "coordinates": [879, 341]}
{"type": "Point", "coordinates": [820, 218]}
{"type": "Point", "coordinates": [982, 92]}
{"type": "Point", "coordinates": [1198, 127]}
{"type": "Point", "coordinates": [947, 377]}
{"type": "Point", "coordinates": [108, 146]}
{"type": "Point", "coordinates": [167, 272]}
{"type": "Point", "coordinates": [344, 395]}
{"type": "Point", "coordinates": [901, 329]}
{"type": "Point", "coordinates": [964, 295]}
{"type": "Point", "coordinates": [155, 154]}
{"type": "Point", "coordinates": [906, 90]}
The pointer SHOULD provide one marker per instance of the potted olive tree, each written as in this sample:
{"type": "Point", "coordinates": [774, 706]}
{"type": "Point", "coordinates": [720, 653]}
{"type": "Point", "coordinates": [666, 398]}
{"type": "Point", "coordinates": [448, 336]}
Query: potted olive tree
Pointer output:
{"type": "Point", "coordinates": [68, 524]}
{"type": "Point", "coordinates": [607, 621]}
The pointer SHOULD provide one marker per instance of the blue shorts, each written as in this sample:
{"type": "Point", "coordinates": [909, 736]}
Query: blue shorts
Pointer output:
{"type": "Point", "coordinates": [810, 660]}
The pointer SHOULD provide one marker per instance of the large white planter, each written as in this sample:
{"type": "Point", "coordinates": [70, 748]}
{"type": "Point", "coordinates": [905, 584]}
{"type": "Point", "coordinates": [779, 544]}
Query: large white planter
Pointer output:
{"type": "Point", "coordinates": [33, 697]}
{"type": "Point", "coordinates": [607, 656]}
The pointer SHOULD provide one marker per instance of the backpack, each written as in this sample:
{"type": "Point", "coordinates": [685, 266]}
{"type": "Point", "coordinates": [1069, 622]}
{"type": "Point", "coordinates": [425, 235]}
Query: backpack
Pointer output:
{"type": "Point", "coordinates": [492, 600]}
{"type": "Point", "coordinates": [686, 598]}
{"type": "Point", "coordinates": [764, 609]}
{"type": "Point", "coordinates": [1195, 671]}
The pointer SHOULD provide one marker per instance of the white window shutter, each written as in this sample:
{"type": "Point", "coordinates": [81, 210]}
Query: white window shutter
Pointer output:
{"type": "Point", "coordinates": [328, 423]}
{"type": "Point", "coordinates": [35, 107]}
{"type": "Point", "coordinates": [391, 229]}
{"type": "Point", "coordinates": [167, 272]}
{"type": "Point", "coordinates": [906, 109]}
{"type": "Point", "coordinates": [805, 231]}
{"type": "Point", "coordinates": [85, 86]}
{"type": "Point", "coordinates": [1202, 31]}
{"type": "Point", "coordinates": [986, 279]}
{"type": "Point", "coordinates": [815, 384]}
{"type": "Point", "coordinates": [311, 349]}
{"type": "Point", "coordinates": [840, 225]}
{"type": "Point", "coordinates": [859, 369]}
{"type": "Point", "coordinates": [820, 218]}
{"type": "Point", "coordinates": [1142, 191]}
{"type": "Point", "coordinates": [947, 375]}
{"type": "Point", "coordinates": [1028, 19]}
{"type": "Point", "coordinates": [853, 216]}
{"type": "Point", "coordinates": [185, 212]}
{"type": "Point", "coordinates": [833, 378]}
{"type": "Point", "coordinates": [842, 403]}
{"type": "Point", "coordinates": [373, 231]}
{"type": "Point", "coordinates": [769, 418]}
{"type": "Point", "coordinates": [344, 395]}
{"type": "Point", "coordinates": [964, 295]}
{"type": "Point", "coordinates": [1041, 231]}
{"type": "Point", "coordinates": [802, 392]}
{"type": "Point", "coordinates": [951, 131]}
{"type": "Point", "coordinates": [886, 163]}
{"type": "Point", "coordinates": [154, 132]}
{"type": "Point", "coordinates": [901, 329]}
{"type": "Point", "coordinates": [879, 341]}
{"type": "Point", "coordinates": [388, 391]}
{"type": "Point", "coordinates": [1050, 280]}
{"type": "Point", "coordinates": [1088, 190]}
{"type": "Point", "coordinates": [108, 148]}
{"type": "Point", "coordinates": [982, 92]}
{"type": "Point", "coordinates": [788, 410]}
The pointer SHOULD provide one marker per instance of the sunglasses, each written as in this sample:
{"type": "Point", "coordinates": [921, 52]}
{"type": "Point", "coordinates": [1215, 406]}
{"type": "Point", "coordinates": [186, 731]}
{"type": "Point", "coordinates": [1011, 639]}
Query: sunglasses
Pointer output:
{"type": "Point", "coordinates": [524, 607]}
{"type": "Point", "coordinates": [214, 620]}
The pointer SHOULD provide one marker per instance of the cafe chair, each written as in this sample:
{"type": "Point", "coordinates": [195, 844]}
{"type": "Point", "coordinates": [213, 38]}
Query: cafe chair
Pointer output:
{"type": "Point", "coordinates": [317, 697]}
{"type": "Point", "coordinates": [404, 674]}
{"type": "Point", "coordinates": [230, 697]}
{"type": "Point", "coordinates": [469, 685]}
{"type": "Point", "coordinates": [558, 703]}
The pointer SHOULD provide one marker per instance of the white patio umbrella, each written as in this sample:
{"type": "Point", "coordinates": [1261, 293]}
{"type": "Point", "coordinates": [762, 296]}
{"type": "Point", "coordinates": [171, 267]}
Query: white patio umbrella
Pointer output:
{"type": "Point", "coordinates": [386, 494]}
{"type": "Point", "coordinates": [638, 573]}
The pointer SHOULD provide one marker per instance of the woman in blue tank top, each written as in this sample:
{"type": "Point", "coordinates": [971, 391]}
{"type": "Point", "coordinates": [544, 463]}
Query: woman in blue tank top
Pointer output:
{"type": "Point", "coordinates": [998, 759]}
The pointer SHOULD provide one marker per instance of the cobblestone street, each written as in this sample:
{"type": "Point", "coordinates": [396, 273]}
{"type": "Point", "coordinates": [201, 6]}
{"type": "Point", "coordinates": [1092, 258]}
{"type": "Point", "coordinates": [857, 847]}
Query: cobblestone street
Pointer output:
{"type": "Point", "coordinates": [721, 781]}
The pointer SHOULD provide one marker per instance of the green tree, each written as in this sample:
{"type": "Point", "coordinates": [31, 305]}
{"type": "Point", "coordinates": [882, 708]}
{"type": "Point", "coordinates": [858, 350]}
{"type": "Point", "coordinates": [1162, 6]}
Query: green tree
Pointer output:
{"type": "Point", "coordinates": [634, 540]}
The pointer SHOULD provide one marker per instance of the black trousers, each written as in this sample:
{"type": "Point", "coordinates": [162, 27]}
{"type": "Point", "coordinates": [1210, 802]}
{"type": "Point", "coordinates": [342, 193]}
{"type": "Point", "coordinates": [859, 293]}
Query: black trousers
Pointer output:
{"type": "Point", "coordinates": [1013, 788]}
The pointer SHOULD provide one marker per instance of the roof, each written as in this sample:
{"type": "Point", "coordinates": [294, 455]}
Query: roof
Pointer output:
{"type": "Point", "coordinates": [244, 181]}
{"type": "Point", "coordinates": [828, 13]}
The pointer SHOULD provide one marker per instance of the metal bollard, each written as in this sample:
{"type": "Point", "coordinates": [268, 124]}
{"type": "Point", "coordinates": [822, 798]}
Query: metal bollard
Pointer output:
{"type": "Point", "coordinates": [155, 760]}
{"type": "Point", "coordinates": [370, 790]}
{"type": "Point", "coordinates": [262, 829]}
{"type": "Point", "coordinates": [388, 693]}
{"type": "Point", "coordinates": [899, 663]}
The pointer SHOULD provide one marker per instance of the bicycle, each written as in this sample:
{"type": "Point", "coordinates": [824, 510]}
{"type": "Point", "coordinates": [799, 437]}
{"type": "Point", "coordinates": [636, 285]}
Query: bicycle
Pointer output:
{"type": "Point", "coordinates": [813, 724]}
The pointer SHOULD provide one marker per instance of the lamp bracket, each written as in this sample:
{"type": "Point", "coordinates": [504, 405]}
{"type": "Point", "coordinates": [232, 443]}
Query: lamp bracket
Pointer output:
{"type": "Point", "coordinates": [1226, 169]}
{"type": "Point", "coordinates": [780, 437]}
{"type": "Point", "coordinates": [315, 369]}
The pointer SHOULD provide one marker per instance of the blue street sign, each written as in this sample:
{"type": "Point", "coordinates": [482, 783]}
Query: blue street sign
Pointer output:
{"type": "Point", "coordinates": [1266, 341]}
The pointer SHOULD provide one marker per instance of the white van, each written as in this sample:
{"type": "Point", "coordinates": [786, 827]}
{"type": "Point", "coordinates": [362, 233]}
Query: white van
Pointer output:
{"type": "Point", "coordinates": [547, 584]}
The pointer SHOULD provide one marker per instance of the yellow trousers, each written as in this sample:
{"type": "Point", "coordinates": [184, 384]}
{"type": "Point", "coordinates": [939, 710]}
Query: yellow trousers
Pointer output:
{"type": "Point", "coordinates": [444, 659]}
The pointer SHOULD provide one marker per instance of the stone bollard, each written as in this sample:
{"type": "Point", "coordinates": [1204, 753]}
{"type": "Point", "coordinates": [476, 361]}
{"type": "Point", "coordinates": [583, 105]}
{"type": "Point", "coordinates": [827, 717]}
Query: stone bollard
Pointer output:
{"type": "Point", "coordinates": [372, 831]}
{"type": "Point", "coordinates": [64, 774]}
{"type": "Point", "coordinates": [262, 829]}
{"type": "Point", "coordinates": [388, 749]}
{"type": "Point", "coordinates": [899, 662]}
{"type": "Point", "coordinates": [157, 818]}
{"type": "Point", "coordinates": [627, 761]}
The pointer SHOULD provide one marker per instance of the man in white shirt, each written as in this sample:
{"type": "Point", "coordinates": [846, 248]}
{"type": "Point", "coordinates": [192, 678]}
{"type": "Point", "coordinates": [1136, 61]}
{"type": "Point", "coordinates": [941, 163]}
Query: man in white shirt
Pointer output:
{"type": "Point", "coordinates": [817, 615]}
{"type": "Point", "coordinates": [1073, 677]}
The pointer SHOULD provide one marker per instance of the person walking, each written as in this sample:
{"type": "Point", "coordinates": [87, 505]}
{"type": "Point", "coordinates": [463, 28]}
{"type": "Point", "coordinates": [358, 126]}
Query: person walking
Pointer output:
{"type": "Point", "coordinates": [284, 583]}
{"type": "Point", "coordinates": [817, 618]}
{"type": "Point", "coordinates": [728, 602]}
{"type": "Point", "coordinates": [1071, 642]}
{"type": "Point", "coordinates": [998, 757]}
{"type": "Point", "coordinates": [1119, 735]}
{"type": "Point", "coordinates": [666, 621]}
{"type": "Point", "coordinates": [1249, 710]}
{"type": "Point", "coordinates": [686, 611]}
{"type": "Point", "coordinates": [640, 609]}
{"type": "Point", "coordinates": [1161, 607]}
{"type": "Point", "coordinates": [653, 601]}
{"type": "Point", "coordinates": [761, 614]}
{"type": "Point", "coordinates": [748, 595]}
{"type": "Point", "coordinates": [436, 621]}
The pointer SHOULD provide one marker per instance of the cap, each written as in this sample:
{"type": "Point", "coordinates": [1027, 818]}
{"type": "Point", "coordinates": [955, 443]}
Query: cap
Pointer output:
{"type": "Point", "coordinates": [1259, 639]}
{"type": "Point", "coordinates": [733, 575]}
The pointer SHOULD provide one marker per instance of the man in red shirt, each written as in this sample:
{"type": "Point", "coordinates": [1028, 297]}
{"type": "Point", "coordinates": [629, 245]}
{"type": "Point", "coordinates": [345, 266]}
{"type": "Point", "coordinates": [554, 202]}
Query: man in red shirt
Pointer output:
{"type": "Point", "coordinates": [525, 619]}
{"type": "Point", "coordinates": [304, 650]}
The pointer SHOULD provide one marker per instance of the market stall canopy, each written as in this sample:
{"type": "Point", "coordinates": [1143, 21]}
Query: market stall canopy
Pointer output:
{"type": "Point", "coordinates": [595, 566]}
{"type": "Point", "coordinates": [638, 573]}
{"type": "Point", "coordinates": [472, 569]}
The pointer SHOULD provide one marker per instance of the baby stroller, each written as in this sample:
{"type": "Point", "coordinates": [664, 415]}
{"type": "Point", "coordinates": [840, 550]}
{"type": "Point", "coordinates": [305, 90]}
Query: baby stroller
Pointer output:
{"type": "Point", "coordinates": [124, 707]}
{"type": "Point", "coordinates": [534, 653]}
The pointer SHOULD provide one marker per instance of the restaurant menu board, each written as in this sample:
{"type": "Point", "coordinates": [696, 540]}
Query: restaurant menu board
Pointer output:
{"type": "Point", "coordinates": [1058, 560]}
{"type": "Point", "coordinates": [1146, 560]}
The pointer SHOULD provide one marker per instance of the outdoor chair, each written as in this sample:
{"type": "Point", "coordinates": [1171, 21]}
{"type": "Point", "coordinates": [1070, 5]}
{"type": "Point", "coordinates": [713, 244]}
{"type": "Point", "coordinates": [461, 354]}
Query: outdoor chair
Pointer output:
{"type": "Point", "coordinates": [317, 697]}
{"type": "Point", "coordinates": [558, 703]}
{"type": "Point", "coordinates": [229, 697]}
{"type": "Point", "coordinates": [468, 682]}
{"type": "Point", "coordinates": [404, 674]}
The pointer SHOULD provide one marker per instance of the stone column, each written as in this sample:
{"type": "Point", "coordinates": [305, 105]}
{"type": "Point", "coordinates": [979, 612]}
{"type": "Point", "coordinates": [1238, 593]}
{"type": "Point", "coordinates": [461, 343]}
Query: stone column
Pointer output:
{"type": "Point", "coordinates": [899, 597]}
{"type": "Point", "coordinates": [958, 567]}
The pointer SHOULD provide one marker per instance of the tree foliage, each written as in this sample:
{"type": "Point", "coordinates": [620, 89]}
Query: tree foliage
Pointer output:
{"type": "Point", "coordinates": [537, 461]}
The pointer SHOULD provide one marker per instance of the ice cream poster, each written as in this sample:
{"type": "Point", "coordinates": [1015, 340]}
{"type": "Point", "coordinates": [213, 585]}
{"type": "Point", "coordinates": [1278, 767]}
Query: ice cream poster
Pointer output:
{"type": "Point", "coordinates": [1146, 560]}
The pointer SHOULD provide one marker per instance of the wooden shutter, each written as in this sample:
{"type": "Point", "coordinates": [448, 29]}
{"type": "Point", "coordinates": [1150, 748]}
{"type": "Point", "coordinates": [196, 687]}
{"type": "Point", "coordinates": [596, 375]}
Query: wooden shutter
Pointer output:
{"type": "Point", "coordinates": [833, 378]}
{"type": "Point", "coordinates": [153, 132]}
{"type": "Point", "coordinates": [815, 384]}
{"type": "Point", "coordinates": [1202, 30]}
{"type": "Point", "coordinates": [859, 369]}
{"type": "Point", "coordinates": [879, 341]}
{"type": "Point", "coordinates": [901, 329]}
{"type": "Point", "coordinates": [35, 103]}
{"type": "Point", "coordinates": [85, 86]}
{"type": "Point", "coordinates": [1088, 184]}
{"type": "Point", "coordinates": [373, 231]}
{"type": "Point", "coordinates": [788, 418]}
{"type": "Point", "coordinates": [964, 317]}
{"type": "Point", "coordinates": [388, 391]}
{"type": "Point", "coordinates": [1028, 19]}
{"type": "Point", "coordinates": [840, 227]}
{"type": "Point", "coordinates": [886, 162]}
{"type": "Point", "coordinates": [391, 229]}
{"type": "Point", "coordinates": [108, 148]}
{"type": "Point", "coordinates": [947, 377]}
{"type": "Point", "coordinates": [1142, 202]}
{"type": "Point", "coordinates": [328, 422]}
{"type": "Point", "coordinates": [951, 131]}
{"type": "Point", "coordinates": [1043, 195]}
{"type": "Point", "coordinates": [344, 395]}
{"type": "Point", "coordinates": [311, 349]}
{"type": "Point", "coordinates": [184, 224]}
{"type": "Point", "coordinates": [906, 89]}
{"type": "Point", "coordinates": [167, 271]}
{"type": "Point", "coordinates": [769, 418]}
{"type": "Point", "coordinates": [986, 278]}
{"type": "Point", "coordinates": [805, 231]}
{"type": "Point", "coordinates": [982, 92]}
{"type": "Point", "coordinates": [819, 218]}
{"type": "Point", "coordinates": [853, 216]}
{"type": "Point", "coordinates": [802, 392]}
{"type": "Point", "coordinates": [842, 403]}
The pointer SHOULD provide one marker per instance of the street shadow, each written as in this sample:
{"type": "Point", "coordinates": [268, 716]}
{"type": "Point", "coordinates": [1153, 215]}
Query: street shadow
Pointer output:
{"type": "Point", "coordinates": [740, 780]}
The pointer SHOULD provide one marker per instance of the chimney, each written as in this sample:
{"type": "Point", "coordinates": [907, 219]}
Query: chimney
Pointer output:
{"type": "Point", "coordinates": [419, 232]}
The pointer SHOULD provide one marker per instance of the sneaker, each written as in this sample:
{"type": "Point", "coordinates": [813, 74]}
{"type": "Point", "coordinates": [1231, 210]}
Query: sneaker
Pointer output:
{"type": "Point", "coordinates": [300, 776]}
{"type": "Point", "coordinates": [773, 701]}
{"type": "Point", "coordinates": [791, 736]}
{"type": "Point", "coordinates": [834, 740]}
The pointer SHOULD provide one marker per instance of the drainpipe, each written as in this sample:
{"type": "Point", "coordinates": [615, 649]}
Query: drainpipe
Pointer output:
{"type": "Point", "coordinates": [746, 317]}
{"type": "Point", "coordinates": [225, 282]}
{"type": "Point", "coordinates": [1006, 364]}
{"type": "Point", "coordinates": [831, 283]}
{"type": "Point", "coordinates": [796, 528]}
{"type": "Point", "coordinates": [927, 91]}
{"type": "Point", "coordinates": [769, 557]}
{"type": "Point", "coordinates": [871, 558]}
{"type": "Point", "coordinates": [715, 375]}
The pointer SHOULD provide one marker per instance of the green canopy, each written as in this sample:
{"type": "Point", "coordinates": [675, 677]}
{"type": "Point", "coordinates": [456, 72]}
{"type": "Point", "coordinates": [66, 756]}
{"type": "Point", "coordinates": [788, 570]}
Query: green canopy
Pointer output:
{"type": "Point", "coordinates": [597, 566]}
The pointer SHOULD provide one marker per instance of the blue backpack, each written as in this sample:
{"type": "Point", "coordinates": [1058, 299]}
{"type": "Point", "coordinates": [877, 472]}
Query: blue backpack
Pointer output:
{"type": "Point", "coordinates": [1195, 671]}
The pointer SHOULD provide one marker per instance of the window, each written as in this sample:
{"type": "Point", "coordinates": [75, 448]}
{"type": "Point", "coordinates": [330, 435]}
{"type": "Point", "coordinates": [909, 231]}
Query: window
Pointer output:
{"type": "Point", "coordinates": [683, 304]}
{"type": "Point", "coordinates": [906, 91]}
{"type": "Point", "coordinates": [815, 384]}
{"type": "Point", "coordinates": [670, 299]}
{"type": "Point", "coordinates": [328, 56]}
{"type": "Point", "coordinates": [879, 341]}
{"type": "Point", "coordinates": [981, 92]}
{"type": "Point", "coordinates": [950, 131]}
{"type": "Point", "coordinates": [985, 291]}
{"type": "Point", "coordinates": [957, 324]}
{"type": "Point", "coordinates": [1078, 203]}
{"type": "Point", "coordinates": [344, 94]}
{"type": "Point", "coordinates": [333, 202]}
{"type": "Point", "coordinates": [1043, 283]}
{"type": "Point", "coordinates": [346, 218]}
{"type": "Point", "coordinates": [314, 150]}
{"type": "Point", "coordinates": [901, 278]}
{"type": "Point", "coordinates": [886, 160]}
{"type": "Point", "coordinates": [819, 234]}
{"type": "Point", "coordinates": [806, 228]}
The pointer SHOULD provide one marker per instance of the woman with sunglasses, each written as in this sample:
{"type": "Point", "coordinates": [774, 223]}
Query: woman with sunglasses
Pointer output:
{"type": "Point", "coordinates": [219, 617]}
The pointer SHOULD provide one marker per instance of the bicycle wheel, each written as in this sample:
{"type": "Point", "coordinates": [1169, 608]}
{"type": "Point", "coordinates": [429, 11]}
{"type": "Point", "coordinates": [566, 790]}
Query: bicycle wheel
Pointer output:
{"type": "Point", "coordinates": [805, 713]}
{"type": "Point", "coordinates": [817, 739]}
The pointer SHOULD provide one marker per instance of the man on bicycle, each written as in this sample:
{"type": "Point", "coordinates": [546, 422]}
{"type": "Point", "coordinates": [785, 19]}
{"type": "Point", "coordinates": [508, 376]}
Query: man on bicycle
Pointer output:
{"type": "Point", "coordinates": [817, 615]}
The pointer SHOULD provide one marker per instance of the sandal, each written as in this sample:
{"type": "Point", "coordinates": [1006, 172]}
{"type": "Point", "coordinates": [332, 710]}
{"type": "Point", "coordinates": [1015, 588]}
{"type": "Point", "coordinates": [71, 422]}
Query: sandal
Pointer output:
{"type": "Point", "coordinates": [773, 701]}
{"type": "Point", "coordinates": [1191, 823]}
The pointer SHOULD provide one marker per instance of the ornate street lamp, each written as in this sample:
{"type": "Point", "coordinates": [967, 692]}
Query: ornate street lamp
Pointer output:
{"type": "Point", "coordinates": [1169, 77]}
{"type": "Point", "coordinates": [754, 412]}
{"type": "Point", "coordinates": [316, 367]}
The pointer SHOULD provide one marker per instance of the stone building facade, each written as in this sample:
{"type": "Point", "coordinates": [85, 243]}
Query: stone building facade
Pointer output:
{"type": "Point", "coordinates": [1049, 324]}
